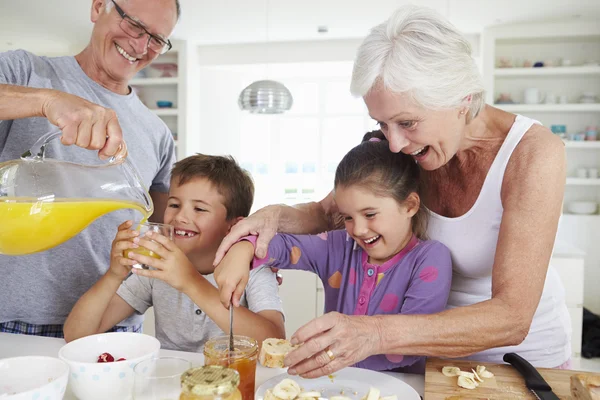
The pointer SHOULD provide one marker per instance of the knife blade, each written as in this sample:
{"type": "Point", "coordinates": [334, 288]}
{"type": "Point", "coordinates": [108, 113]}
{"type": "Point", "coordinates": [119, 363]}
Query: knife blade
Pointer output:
{"type": "Point", "coordinates": [533, 380]}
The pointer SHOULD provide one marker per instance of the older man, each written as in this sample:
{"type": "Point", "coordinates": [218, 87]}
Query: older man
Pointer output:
{"type": "Point", "coordinates": [88, 98]}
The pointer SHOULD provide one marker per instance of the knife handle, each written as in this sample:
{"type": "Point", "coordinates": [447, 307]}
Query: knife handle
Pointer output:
{"type": "Point", "coordinates": [533, 379]}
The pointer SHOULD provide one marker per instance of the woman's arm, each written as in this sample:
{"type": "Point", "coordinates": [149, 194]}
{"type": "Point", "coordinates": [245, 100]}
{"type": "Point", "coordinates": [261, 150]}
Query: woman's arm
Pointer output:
{"type": "Point", "coordinates": [532, 195]}
{"type": "Point", "coordinates": [266, 222]}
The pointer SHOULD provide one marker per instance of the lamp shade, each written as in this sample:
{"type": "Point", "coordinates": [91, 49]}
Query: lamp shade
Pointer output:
{"type": "Point", "coordinates": [265, 97]}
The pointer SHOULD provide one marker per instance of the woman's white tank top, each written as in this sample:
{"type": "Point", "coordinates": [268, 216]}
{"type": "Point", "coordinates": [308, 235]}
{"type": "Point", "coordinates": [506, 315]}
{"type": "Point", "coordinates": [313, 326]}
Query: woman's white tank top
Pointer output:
{"type": "Point", "coordinates": [472, 240]}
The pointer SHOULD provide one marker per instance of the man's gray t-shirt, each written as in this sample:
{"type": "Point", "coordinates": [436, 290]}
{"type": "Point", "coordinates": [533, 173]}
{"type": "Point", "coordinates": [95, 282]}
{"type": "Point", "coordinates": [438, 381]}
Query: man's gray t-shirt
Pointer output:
{"type": "Point", "coordinates": [180, 324]}
{"type": "Point", "coordinates": [42, 288]}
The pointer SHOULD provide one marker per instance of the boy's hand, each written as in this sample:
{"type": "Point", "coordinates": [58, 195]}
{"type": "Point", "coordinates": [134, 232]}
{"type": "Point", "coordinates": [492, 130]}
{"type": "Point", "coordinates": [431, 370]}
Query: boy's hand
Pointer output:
{"type": "Point", "coordinates": [125, 239]}
{"type": "Point", "coordinates": [173, 268]}
{"type": "Point", "coordinates": [233, 272]}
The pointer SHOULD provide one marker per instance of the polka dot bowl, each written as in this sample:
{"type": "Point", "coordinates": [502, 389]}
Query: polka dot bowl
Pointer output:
{"type": "Point", "coordinates": [90, 380]}
{"type": "Point", "coordinates": [33, 378]}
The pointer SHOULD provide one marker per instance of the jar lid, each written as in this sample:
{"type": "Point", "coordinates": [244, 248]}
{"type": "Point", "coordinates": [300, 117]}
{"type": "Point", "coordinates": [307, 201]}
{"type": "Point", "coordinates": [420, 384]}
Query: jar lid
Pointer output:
{"type": "Point", "coordinates": [210, 380]}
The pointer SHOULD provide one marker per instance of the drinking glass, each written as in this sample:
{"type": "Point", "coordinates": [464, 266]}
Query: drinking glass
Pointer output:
{"type": "Point", "coordinates": [159, 378]}
{"type": "Point", "coordinates": [164, 229]}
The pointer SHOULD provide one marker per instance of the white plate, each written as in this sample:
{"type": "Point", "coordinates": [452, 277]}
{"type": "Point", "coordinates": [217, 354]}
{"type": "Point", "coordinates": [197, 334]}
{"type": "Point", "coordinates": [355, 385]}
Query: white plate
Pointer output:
{"type": "Point", "coordinates": [354, 382]}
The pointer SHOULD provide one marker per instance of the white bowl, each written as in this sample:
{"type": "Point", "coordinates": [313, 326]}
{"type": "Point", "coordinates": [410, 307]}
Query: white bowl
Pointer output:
{"type": "Point", "coordinates": [33, 377]}
{"type": "Point", "coordinates": [582, 207]}
{"type": "Point", "coordinates": [91, 380]}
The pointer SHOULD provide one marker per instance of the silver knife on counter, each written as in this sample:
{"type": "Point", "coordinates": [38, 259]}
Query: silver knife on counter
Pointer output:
{"type": "Point", "coordinates": [533, 379]}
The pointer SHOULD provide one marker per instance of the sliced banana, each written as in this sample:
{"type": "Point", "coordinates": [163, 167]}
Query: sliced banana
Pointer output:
{"type": "Point", "coordinates": [476, 375]}
{"type": "Point", "coordinates": [304, 395]}
{"type": "Point", "coordinates": [450, 371]}
{"type": "Point", "coordinates": [467, 382]}
{"type": "Point", "coordinates": [467, 374]}
{"type": "Point", "coordinates": [287, 389]}
{"type": "Point", "coordinates": [484, 373]}
{"type": "Point", "coordinates": [373, 394]}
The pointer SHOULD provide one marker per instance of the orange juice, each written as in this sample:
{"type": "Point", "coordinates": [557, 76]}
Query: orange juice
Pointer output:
{"type": "Point", "coordinates": [140, 250]}
{"type": "Point", "coordinates": [29, 226]}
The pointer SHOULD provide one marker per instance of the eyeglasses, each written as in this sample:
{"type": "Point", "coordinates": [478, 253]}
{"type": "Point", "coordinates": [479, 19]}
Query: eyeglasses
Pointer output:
{"type": "Point", "coordinates": [134, 29]}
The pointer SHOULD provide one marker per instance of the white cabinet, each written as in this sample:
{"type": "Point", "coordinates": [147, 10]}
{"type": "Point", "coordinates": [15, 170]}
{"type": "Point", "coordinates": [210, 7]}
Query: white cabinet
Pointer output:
{"type": "Point", "coordinates": [299, 295]}
{"type": "Point", "coordinates": [569, 263]}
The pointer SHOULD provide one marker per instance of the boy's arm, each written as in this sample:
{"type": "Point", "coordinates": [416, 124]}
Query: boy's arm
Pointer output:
{"type": "Point", "coordinates": [98, 310]}
{"type": "Point", "coordinates": [260, 326]}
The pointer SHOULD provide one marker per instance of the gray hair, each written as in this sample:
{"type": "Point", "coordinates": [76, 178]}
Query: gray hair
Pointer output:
{"type": "Point", "coordinates": [109, 6]}
{"type": "Point", "coordinates": [419, 52]}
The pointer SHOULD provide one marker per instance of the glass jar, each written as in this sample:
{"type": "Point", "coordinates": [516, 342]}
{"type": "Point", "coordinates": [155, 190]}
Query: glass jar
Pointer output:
{"type": "Point", "coordinates": [211, 382]}
{"type": "Point", "coordinates": [242, 359]}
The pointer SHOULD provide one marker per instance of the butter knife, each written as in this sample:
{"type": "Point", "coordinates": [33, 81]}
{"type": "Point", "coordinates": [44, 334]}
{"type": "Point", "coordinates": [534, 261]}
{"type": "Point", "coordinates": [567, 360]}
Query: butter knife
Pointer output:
{"type": "Point", "coordinates": [533, 380]}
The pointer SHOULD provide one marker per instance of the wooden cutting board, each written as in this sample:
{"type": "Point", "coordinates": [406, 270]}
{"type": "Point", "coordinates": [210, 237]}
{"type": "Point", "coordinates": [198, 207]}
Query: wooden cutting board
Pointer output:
{"type": "Point", "coordinates": [507, 383]}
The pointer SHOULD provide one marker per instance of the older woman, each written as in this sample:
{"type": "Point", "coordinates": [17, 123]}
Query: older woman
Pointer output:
{"type": "Point", "coordinates": [493, 183]}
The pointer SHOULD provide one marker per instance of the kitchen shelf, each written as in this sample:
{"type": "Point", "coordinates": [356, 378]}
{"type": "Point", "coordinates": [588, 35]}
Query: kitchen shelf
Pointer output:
{"type": "Point", "coordinates": [166, 112]}
{"type": "Point", "coordinates": [153, 81]}
{"type": "Point", "coordinates": [576, 107]}
{"type": "Point", "coordinates": [571, 144]}
{"type": "Point", "coordinates": [583, 181]}
{"type": "Point", "coordinates": [548, 71]}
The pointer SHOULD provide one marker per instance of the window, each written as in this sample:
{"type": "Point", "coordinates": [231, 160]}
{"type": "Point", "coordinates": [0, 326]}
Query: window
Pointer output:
{"type": "Point", "coordinates": [293, 156]}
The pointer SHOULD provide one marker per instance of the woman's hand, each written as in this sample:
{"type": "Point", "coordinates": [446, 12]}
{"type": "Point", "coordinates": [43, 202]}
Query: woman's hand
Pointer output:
{"type": "Point", "coordinates": [173, 268]}
{"type": "Point", "coordinates": [263, 223]}
{"type": "Point", "coordinates": [125, 239]}
{"type": "Point", "coordinates": [332, 342]}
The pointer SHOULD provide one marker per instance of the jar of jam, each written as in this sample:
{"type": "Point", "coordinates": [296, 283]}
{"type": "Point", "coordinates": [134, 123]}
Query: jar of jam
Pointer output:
{"type": "Point", "coordinates": [211, 382]}
{"type": "Point", "coordinates": [242, 359]}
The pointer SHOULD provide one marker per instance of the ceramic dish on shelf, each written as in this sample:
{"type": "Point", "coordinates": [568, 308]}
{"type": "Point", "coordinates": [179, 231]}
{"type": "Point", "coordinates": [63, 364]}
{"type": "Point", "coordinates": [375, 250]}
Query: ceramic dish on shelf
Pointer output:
{"type": "Point", "coordinates": [582, 207]}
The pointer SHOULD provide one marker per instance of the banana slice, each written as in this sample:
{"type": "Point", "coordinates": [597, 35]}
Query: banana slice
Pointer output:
{"type": "Point", "coordinates": [484, 373]}
{"type": "Point", "coordinates": [450, 371]}
{"type": "Point", "coordinates": [373, 394]}
{"type": "Point", "coordinates": [467, 382]}
{"type": "Point", "coordinates": [287, 389]}
{"type": "Point", "coordinates": [476, 375]}
{"type": "Point", "coordinates": [304, 395]}
{"type": "Point", "coordinates": [467, 374]}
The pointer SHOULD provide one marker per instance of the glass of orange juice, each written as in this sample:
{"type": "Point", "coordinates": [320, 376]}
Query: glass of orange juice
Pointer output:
{"type": "Point", "coordinates": [145, 227]}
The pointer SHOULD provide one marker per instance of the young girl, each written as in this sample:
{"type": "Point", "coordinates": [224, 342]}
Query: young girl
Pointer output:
{"type": "Point", "coordinates": [380, 264]}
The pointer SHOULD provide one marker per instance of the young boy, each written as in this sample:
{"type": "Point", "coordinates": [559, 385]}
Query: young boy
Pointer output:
{"type": "Point", "coordinates": [208, 195]}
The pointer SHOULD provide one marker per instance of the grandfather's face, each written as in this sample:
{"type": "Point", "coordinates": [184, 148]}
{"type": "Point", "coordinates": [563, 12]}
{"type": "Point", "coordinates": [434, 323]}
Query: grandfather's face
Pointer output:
{"type": "Point", "coordinates": [118, 54]}
{"type": "Point", "coordinates": [431, 137]}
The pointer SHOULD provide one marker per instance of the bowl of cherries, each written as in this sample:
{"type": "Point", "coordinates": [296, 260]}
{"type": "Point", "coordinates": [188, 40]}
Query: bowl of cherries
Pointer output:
{"type": "Point", "coordinates": [101, 366]}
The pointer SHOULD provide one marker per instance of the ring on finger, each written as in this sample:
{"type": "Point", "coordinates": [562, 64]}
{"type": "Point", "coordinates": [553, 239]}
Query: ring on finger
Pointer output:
{"type": "Point", "coordinates": [330, 354]}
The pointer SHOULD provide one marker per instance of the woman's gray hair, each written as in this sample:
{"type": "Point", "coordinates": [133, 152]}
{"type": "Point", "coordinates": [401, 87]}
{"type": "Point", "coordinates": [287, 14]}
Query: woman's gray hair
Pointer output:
{"type": "Point", "coordinates": [419, 52]}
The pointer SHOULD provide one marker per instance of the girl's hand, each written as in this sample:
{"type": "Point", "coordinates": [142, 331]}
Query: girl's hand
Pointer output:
{"type": "Point", "coordinates": [332, 342]}
{"type": "Point", "coordinates": [173, 268]}
{"type": "Point", "coordinates": [233, 272]}
{"type": "Point", "coordinates": [125, 239]}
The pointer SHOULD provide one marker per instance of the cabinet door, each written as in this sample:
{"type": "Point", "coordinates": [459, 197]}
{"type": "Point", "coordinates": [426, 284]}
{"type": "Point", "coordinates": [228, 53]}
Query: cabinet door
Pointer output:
{"type": "Point", "coordinates": [570, 271]}
{"type": "Point", "coordinates": [299, 295]}
{"type": "Point", "coordinates": [576, 314]}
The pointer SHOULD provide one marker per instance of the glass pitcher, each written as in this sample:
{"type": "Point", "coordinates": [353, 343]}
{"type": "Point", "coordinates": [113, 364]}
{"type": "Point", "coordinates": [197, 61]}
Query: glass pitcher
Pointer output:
{"type": "Point", "coordinates": [45, 202]}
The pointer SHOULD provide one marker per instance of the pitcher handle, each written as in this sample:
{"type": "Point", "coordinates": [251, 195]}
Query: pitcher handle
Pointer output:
{"type": "Point", "coordinates": [37, 151]}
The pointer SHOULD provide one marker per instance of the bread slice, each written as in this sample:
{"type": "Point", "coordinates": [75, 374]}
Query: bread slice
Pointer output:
{"type": "Point", "coordinates": [273, 352]}
{"type": "Point", "coordinates": [585, 387]}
